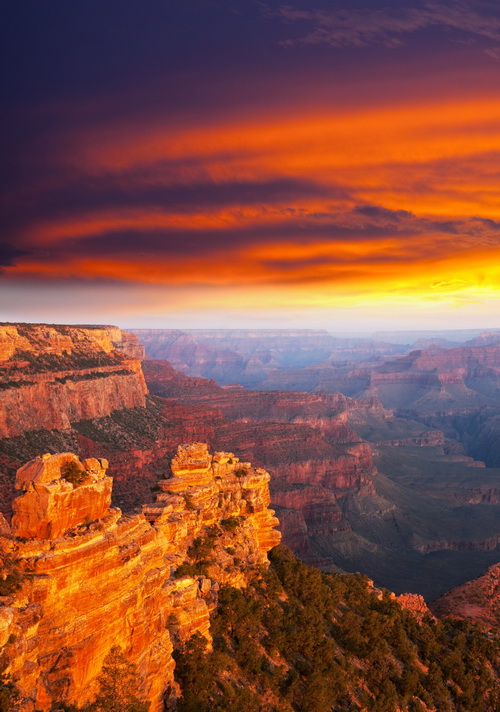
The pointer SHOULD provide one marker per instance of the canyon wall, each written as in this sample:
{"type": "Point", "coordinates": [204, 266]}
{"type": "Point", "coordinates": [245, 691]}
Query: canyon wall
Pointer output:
{"type": "Point", "coordinates": [315, 456]}
{"type": "Point", "coordinates": [351, 482]}
{"type": "Point", "coordinates": [52, 376]}
{"type": "Point", "coordinates": [146, 581]}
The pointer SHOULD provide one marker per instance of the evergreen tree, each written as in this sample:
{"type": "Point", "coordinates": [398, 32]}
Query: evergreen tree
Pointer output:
{"type": "Point", "coordinates": [117, 686]}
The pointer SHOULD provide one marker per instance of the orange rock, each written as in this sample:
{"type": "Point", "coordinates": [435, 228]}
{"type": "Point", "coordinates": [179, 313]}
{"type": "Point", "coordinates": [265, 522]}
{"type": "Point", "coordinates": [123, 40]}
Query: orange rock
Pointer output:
{"type": "Point", "coordinates": [112, 581]}
{"type": "Point", "coordinates": [51, 505]}
{"type": "Point", "coordinates": [415, 604]}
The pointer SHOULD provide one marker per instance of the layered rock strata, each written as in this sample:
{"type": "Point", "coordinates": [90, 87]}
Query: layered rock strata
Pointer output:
{"type": "Point", "coordinates": [59, 494]}
{"type": "Point", "coordinates": [305, 439]}
{"type": "Point", "coordinates": [93, 579]}
{"type": "Point", "coordinates": [52, 376]}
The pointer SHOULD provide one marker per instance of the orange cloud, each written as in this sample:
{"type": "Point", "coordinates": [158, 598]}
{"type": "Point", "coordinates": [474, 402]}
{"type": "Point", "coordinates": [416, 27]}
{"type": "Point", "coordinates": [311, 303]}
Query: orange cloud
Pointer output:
{"type": "Point", "coordinates": [431, 168]}
{"type": "Point", "coordinates": [434, 159]}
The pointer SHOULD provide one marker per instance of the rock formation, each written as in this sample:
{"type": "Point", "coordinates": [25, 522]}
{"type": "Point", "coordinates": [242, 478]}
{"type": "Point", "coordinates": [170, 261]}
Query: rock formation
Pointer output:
{"type": "Point", "coordinates": [478, 600]}
{"type": "Point", "coordinates": [415, 604]}
{"type": "Point", "coordinates": [53, 376]}
{"type": "Point", "coordinates": [91, 578]}
{"type": "Point", "coordinates": [59, 495]}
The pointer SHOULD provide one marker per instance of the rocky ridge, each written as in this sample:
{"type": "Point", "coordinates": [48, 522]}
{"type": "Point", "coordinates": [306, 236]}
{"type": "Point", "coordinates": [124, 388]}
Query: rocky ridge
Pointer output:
{"type": "Point", "coordinates": [477, 600]}
{"type": "Point", "coordinates": [52, 376]}
{"type": "Point", "coordinates": [83, 582]}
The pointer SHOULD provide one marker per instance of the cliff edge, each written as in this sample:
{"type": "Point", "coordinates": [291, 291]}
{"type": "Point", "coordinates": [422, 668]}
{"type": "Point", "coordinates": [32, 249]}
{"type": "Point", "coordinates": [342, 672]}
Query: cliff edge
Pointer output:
{"type": "Point", "coordinates": [79, 577]}
{"type": "Point", "coordinates": [52, 375]}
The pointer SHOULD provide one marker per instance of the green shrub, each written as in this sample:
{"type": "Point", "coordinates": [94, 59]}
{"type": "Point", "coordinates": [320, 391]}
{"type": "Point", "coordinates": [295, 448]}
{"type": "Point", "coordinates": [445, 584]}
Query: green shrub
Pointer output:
{"type": "Point", "coordinates": [11, 576]}
{"type": "Point", "coordinates": [231, 524]}
{"type": "Point", "coordinates": [188, 499]}
{"type": "Point", "coordinates": [187, 569]}
{"type": "Point", "coordinates": [8, 694]}
{"type": "Point", "coordinates": [12, 582]}
{"type": "Point", "coordinates": [73, 473]}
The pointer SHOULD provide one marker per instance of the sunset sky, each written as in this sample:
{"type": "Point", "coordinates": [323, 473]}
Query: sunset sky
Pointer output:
{"type": "Point", "coordinates": [226, 163]}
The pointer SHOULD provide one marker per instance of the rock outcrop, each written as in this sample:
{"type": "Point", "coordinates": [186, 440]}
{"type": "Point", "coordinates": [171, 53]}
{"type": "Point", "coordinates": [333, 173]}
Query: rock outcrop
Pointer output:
{"type": "Point", "coordinates": [92, 578]}
{"type": "Point", "coordinates": [53, 376]}
{"type": "Point", "coordinates": [478, 600]}
{"type": "Point", "coordinates": [415, 604]}
{"type": "Point", "coordinates": [60, 494]}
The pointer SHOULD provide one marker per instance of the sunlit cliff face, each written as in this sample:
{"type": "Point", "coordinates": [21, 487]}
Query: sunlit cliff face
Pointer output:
{"type": "Point", "coordinates": [326, 176]}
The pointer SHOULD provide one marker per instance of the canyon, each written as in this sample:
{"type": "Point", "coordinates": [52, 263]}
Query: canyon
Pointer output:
{"type": "Point", "coordinates": [356, 485]}
{"type": "Point", "coordinates": [427, 418]}
{"type": "Point", "coordinates": [121, 535]}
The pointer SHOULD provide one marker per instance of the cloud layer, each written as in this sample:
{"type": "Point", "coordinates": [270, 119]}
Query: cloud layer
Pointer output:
{"type": "Point", "coordinates": [287, 178]}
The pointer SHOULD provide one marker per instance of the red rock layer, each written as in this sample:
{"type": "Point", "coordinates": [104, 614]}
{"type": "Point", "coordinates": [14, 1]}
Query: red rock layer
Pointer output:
{"type": "Point", "coordinates": [53, 376]}
{"type": "Point", "coordinates": [478, 600]}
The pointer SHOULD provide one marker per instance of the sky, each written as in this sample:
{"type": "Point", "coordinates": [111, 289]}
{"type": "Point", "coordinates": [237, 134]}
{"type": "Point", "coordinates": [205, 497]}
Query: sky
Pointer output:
{"type": "Point", "coordinates": [239, 163]}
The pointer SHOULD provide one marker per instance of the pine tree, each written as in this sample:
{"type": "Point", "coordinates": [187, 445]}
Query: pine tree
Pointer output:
{"type": "Point", "coordinates": [118, 686]}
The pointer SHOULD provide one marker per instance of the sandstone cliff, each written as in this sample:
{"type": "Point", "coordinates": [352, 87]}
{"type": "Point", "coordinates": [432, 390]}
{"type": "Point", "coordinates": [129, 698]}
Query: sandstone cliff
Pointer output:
{"type": "Point", "coordinates": [92, 578]}
{"type": "Point", "coordinates": [52, 376]}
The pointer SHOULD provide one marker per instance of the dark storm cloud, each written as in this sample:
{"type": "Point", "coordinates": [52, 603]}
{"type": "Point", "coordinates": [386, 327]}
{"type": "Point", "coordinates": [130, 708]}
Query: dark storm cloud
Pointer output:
{"type": "Point", "coordinates": [377, 211]}
{"type": "Point", "coordinates": [187, 242]}
{"type": "Point", "coordinates": [491, 224]}
{"type": "Point", "coordinates": [409, 222]}
{"type": "Point", "coordinates": [296, 265]}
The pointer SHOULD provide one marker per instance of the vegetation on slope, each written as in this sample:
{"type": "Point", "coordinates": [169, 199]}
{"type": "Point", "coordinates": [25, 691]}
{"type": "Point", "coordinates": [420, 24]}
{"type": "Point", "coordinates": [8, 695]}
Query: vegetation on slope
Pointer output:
{"type": "Point", "coordinates": [41, 362]}
{"type": "Point", "coordinates": [117, 689]}
{"type": "Point", "coordinates": [299, 639]}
